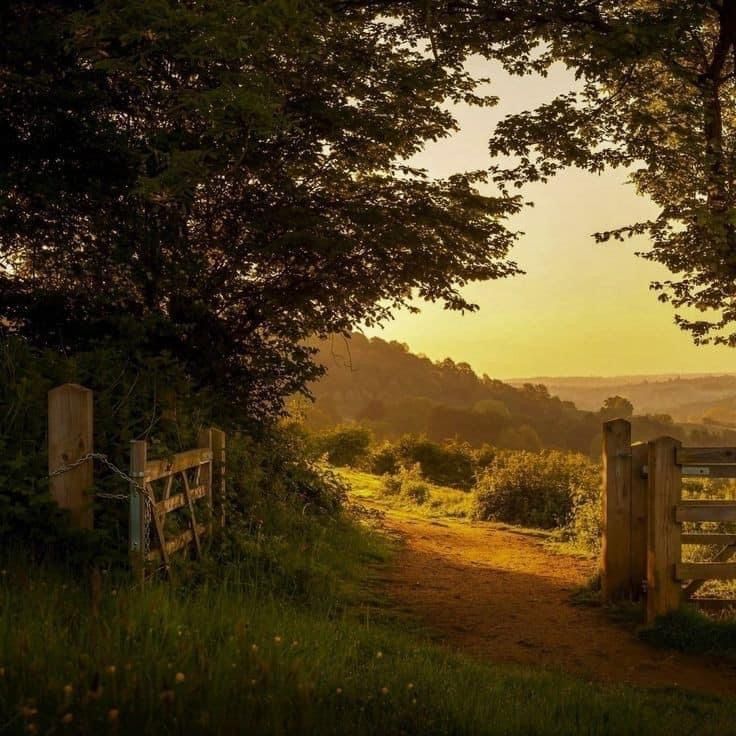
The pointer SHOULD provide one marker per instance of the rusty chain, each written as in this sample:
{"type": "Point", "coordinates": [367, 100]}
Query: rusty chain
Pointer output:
{"type": "Point", "coordinates": [150, 501]}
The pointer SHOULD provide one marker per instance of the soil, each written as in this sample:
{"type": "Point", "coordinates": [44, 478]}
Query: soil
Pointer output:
{"type": "Point", "coordinates": [497, 593]}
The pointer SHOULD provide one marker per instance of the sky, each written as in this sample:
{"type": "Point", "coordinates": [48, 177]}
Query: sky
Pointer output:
{"type": "Point", "coordinates": [582, 309]}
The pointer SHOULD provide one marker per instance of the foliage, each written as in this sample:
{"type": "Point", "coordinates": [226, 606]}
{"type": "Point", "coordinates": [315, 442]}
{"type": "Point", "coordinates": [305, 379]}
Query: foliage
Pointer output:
{"type": "Point", "coordinates": [344, 445]}
{"type": "Point", "coordinates": [135, 397]}
{"type": "Point", "coordinates": [222, 180]}
{"type": "Point", "coordinates": [615, 407]}
{"type": "Point", "coordinates": [408, 483]}
{"type": "Point", "coordinates": [449, 464]}
{"type": "Point", "coordinates": [535, 489]}
{"type": "Point", "coordinates": [383, 459]}
{"type": "Point", "coordinates": [688, 630]}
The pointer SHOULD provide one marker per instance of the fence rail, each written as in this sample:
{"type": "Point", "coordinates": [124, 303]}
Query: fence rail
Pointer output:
{"type": "Point", "coordinates": [191, 482]}
{"type": "Point", "coordinates": [643, 516]}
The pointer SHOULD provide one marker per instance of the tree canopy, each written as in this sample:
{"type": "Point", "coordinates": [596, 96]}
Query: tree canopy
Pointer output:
{"type": "Point", "coordinates": [220, 180]}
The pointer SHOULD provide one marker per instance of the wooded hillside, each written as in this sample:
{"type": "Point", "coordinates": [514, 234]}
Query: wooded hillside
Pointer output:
{"type": "Point", "coordinates": [385, 386]}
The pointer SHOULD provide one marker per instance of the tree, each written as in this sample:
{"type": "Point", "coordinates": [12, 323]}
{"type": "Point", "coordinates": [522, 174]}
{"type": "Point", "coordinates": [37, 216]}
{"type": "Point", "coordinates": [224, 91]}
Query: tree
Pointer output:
{"type": "Point", "coordinates": [219, 181]}
{"type": "Point", "coordinates": [655, 93]}
{"type": "Point", "coordinates": [615, 407]}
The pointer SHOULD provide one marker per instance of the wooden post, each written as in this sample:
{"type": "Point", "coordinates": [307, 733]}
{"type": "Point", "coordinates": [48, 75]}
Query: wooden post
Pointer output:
{"type": "Point", "coordinates": [663, 535]}
{"type": "Point", "coordinates": [70, 430]}
{"type": "Point", "coordinates": [137, 529]}
{"type": "Point", "coordinates": [218, 469]}
{"type": "Point", "coordinates": [639, 503]}
{"type": "Point", "coordinates": [616, 547]}
{"type": "Point", "coordinates": [207, 474]}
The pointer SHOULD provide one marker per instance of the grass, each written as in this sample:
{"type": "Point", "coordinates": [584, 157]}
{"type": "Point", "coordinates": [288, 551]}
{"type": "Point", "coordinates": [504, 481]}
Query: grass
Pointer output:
{"type": "Point", "coordinates": [443, 501]}
{"type": "Point", "coordinates": [691, 631]}
{"type": "Point", "coordinates": [284, 634]}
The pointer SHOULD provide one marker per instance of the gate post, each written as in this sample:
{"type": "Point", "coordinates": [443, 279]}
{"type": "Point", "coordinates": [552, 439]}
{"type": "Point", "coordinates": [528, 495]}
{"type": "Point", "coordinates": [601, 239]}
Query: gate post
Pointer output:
{"type": "Point", "coordinates": [137, 530]}
{"type": "Point", "coordinates": [70, 437]}
{"type": "Point", "coordinates": [616, 545]}
{"type": "Point", "coordinates": [663, 535]}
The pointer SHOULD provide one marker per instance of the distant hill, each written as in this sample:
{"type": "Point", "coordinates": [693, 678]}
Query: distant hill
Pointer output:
{"type": "Point", "coordinates": [687, 398]}
{"type": "Point", "coordinates": [385, 386]}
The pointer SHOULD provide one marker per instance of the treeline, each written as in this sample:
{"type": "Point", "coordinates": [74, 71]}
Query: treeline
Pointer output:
{"type": "Point", "coordinates": [386, 388]}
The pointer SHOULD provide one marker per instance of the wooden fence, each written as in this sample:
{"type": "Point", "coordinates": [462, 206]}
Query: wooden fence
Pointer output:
{"type": "Point", "coordinates": [184, 482]}
{"type": "Point", "coordinates": [643, 513]}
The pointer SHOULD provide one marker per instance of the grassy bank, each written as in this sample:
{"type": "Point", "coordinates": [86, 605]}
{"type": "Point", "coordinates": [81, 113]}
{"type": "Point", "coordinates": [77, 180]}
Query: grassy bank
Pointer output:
{"type": "Point", "coordinates": [283, 636]}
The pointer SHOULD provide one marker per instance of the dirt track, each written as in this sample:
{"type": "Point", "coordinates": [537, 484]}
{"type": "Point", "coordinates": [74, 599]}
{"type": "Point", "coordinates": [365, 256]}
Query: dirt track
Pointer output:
{"type": "Point", "coordinates": [500, 594]}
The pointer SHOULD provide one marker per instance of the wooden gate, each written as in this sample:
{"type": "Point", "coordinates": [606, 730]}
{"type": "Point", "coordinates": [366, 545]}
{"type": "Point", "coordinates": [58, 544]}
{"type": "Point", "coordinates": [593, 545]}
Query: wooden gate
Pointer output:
{"type": "Point", "coordinates": [161, 487]}
{"type": "Point", "coordinates": [643, 512]}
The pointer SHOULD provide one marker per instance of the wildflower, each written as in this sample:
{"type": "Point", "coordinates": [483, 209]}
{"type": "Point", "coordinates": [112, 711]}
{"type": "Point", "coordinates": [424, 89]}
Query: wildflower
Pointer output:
{"type": "Point", "coordinates": [2, 671]}
{"type": "Point", "coordinates": [277, 639]}
{"type": "Point", "coordinates": [180, 677]}
{"type": "Point", "coordinates": [27, 712]}
{"type": "Point", "coordinates": [254, 647]}
{"type": "Point", "coordinates": [68, 690]}
{"type": "Point", "coordinates": [113, 592]}
{"type": "Point", "coordinates": [112, 714]}
{"type": "Point", "coordinates": [379, 655]}
{"type": "Point", "coordinates": [384, 691]}
{"type": "Point", "coordinates": [295, 643]}
{"type": "Point", "coordinates": [67, 718]}
{"type": "Point", "coordinates": [414, 701]}
{"type": "Point", "coordinates": [111, 669]}
{"type": "Point", "coordinates": [3, 572]}
{"type": "Point", "coordinates": [410, 686]}
{"type": "Point", "coordinates": [339, 691]}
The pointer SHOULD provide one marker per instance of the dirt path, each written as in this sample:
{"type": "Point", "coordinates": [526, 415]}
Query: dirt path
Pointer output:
{"type": "Point", "coordinates": [498, 593]}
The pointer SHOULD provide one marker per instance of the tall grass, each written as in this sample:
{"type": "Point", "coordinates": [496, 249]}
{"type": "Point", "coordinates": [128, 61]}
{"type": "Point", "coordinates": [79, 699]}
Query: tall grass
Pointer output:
{"type": "Point", "coordinates": [282, 636]}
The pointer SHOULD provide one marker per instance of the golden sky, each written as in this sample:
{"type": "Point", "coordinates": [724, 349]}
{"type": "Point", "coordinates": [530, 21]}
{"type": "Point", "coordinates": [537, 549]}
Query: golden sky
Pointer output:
{"type": "Point", "coordinates": [581, 308]}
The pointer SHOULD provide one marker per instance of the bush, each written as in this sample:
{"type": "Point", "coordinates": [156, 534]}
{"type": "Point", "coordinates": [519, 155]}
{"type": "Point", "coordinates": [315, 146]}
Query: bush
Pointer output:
{"type": "Point", "coordinates": [345, 445]}
{"type": "Point", "coordinates": [408, 482]}
{"type": "Point", "coordinates": [451, 464]}
{"type": "Point", "coordinates": [535, 489]}
{"type": "Point", "coordinates": [391, 485]}
{"type": "Point", "coordinates": [383, 460]}
{"type": "Point", "coordinates": [416, 490]}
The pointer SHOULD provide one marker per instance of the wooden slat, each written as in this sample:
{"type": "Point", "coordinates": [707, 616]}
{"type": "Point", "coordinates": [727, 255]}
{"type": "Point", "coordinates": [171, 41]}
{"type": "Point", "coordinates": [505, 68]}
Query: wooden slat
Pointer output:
{"type": "Point", "coordinates": [706, 456]}
{"type": "Point", "coordinates": [709, 471]}
{"type": "Point", "coordinates": [706, 511]}
{"type": "Point", "coordinates": [179, 499]}
{"type": "Point", "coordinates": [705, 570]}
{"type": "Point", "coordinates": [158, 529]}
{"type": "Point", "coordinates": [192, 517]}
{"type": "Point", "coordinates": [178, 542]}
{"type": "Point", "coordinates": [723, 554]}
{"type": "Point", "coordinates": [156, 469]}
{"type": "Point", "coordinates": [713, 538]}
{"type": "Point", "coordinates": [714, 604]}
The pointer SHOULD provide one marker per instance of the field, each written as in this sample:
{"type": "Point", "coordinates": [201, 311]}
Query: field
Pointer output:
{"type": "Point", "coordinates": [300, 632]}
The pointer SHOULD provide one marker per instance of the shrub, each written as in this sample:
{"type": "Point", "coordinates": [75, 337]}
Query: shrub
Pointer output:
{"type": "Point", "coordinates": [408, 482]}
{"type": "Point", "coordinates": [451, 464]}
{"type": "Point", "coordinates": [345, 445]}
{"type": "Point", "coordinates": [384, 459]}
{"type": "Point", "coordinates": [391, 485]}
{"type": "Point", "coordinates": [416, 490]}
{"type": "Point", "coordinates": [535, 489]}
